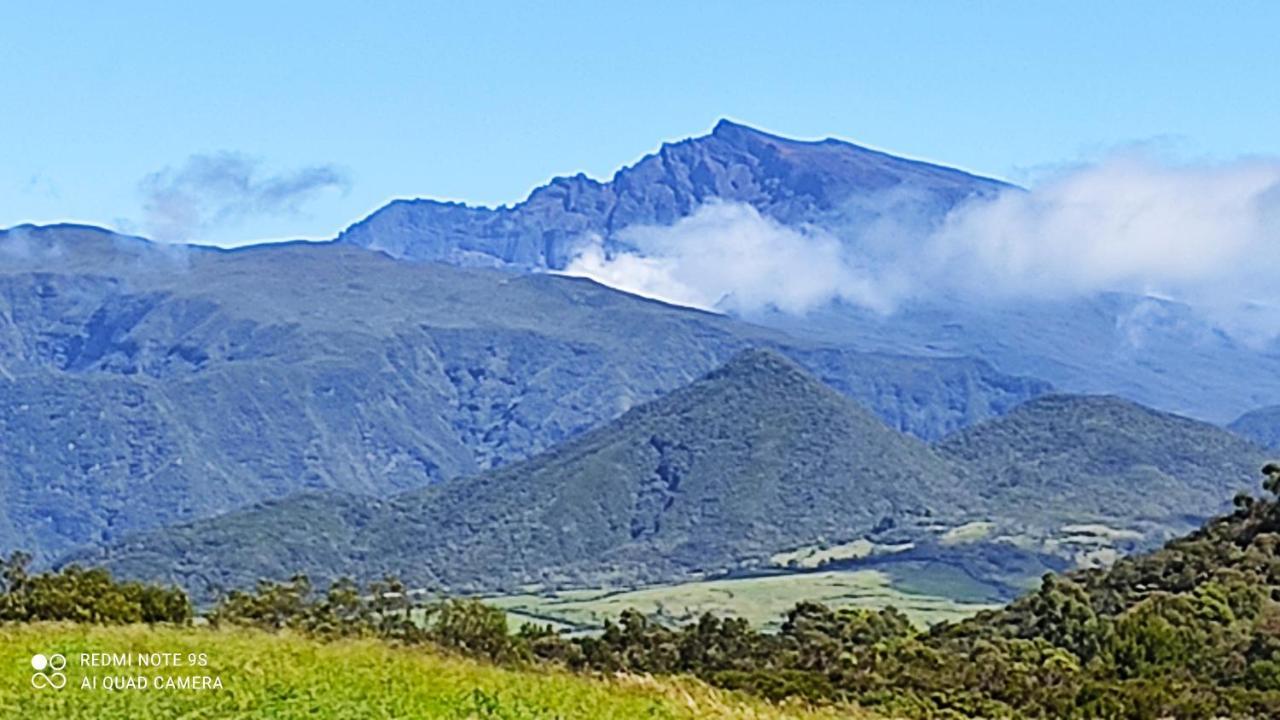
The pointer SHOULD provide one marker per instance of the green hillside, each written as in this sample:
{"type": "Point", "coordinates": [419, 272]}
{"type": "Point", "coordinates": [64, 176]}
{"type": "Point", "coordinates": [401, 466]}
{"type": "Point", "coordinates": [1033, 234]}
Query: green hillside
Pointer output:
{"type": "Point", "coordinates": [292, 678]}
{"type": "Point", "coordinates": [755, 457]}
{"type": "Point", "coordinates": [1189, 631]}
{"type": "Point", "coordinates": [754, 469]}
{"type": "Point", "coordinates": [1068, 459]}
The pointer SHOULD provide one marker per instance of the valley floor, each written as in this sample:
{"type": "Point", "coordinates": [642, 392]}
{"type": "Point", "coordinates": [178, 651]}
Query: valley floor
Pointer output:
{"type": "Point", "coordinates": [763, 600]}
{"type": "Point", "coordinates": [285, 677]}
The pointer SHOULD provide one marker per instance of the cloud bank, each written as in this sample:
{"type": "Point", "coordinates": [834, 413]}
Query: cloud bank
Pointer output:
{"type": "Point", "coordinates": [729, 257]}
{"type": "Point", "coordinates": [1206, 235]}
{"type": "Point", "coordinates": [209, 191]}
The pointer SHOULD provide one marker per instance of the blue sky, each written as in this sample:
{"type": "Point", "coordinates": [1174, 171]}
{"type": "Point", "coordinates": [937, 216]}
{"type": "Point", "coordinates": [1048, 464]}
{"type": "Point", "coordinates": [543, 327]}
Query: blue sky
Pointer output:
{"type": "Point", "coordinates": [349, 105]}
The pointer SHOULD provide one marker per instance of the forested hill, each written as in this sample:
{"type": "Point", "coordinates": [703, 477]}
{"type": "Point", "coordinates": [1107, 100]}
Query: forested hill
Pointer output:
{"type": "Point", "coordinates": [1191, 631]}
{"type": "Point", "coordinates": [753, 458]}
{"type": "Point", "coordinates": [1073, 457]}
{"type": "Point", "coordinates": [753, 461]}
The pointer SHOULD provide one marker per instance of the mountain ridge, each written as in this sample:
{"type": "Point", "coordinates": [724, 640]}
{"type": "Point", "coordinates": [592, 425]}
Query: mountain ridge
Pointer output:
{"type": "Point", "coordinates": [236, 376]}
{"type": "Point", "coordinates": [792, 181]}
{"type": "Point", "coordinates": [1261, 426]}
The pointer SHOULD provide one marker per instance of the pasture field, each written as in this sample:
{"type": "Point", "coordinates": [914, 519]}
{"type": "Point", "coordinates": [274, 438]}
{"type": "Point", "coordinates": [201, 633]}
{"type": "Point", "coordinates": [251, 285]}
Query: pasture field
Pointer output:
{"type": "Point", "coordinates": [762, 600]}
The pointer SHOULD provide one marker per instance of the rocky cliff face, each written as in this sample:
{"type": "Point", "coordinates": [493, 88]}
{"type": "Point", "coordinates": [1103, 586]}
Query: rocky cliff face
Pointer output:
{"type": "Point", "coordinates": [830, 183]}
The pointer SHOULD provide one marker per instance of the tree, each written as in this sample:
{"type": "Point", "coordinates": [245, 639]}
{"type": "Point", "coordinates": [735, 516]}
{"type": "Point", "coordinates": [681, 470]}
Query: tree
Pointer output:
{"type": "Point", "coordinates": [1272, 483]}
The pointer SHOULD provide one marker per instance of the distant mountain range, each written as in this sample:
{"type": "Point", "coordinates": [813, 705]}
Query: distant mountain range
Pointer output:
{"type": "Point", "coordinates": [1154, 351]}
{"type": "Point", "coordinates": [415, 396]}
{"type": "Point", "coordinates": [828, 182]}
{"type": "Point", "coordinates": [1261, 426]}
{"type": "Point", "coordinates": [753, 460]}
{"type": "Point", "coordinates": [142, 384]}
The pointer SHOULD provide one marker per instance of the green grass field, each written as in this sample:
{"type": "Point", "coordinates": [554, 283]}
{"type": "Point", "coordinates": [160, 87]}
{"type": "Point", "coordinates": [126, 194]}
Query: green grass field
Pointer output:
{"type": "Point", "coordinates": [761, 600]}
{"type": "Point", "coordinates": [284, 677]}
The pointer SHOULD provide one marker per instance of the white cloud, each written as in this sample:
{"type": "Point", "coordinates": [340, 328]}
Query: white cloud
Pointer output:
{"type": "Point", "coordinates": [1206, 235]}
{"type": "Point", "coordinates": [728, 257]}
{"type": "Point", "coordinates": [1125, 224]}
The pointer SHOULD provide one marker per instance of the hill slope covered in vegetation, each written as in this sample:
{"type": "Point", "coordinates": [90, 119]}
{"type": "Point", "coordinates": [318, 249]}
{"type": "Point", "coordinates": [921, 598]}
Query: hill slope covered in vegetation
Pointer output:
{"type": "Point", "coordinates": [754, 462]}
{"type": "Point", "coordinates": [754, 457]}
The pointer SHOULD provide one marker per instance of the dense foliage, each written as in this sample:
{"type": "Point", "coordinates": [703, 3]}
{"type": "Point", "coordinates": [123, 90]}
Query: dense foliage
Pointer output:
{"type": "Point", "coordinates": [1189, 631]}
{"type": "Point", "coordinates": [84, 595]}
{"type": "Point", "coordinates": [754, 459]}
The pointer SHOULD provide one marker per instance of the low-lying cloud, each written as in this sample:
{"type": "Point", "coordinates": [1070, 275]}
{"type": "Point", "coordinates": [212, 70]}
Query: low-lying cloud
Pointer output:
{"type": "Point", "coordinates": [220, 189]}
{"type": "Point", "coordinates": [1206, 235]}
{"type": "Point", "coordinates": [729, 257]}
{"type": "Point", "coordinates": [1126, 224]}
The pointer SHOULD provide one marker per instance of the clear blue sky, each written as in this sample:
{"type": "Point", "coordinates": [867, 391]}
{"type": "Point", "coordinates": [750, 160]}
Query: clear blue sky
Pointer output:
{"type": "Point", "coordinates": [483, 101]}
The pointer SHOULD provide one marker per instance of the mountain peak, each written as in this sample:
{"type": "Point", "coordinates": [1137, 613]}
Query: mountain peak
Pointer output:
{"type": "Point", "coordinates": [728, 128]}
{"type": "Point", "coordinates": [762, 362]}
{"type": "Point", "coordinates": [735, 132]}
{"type": "Point", "coordinates": [791, 181]}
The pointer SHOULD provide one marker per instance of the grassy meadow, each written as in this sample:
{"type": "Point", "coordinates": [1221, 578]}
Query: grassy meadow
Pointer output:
{"type": "Point", "coordinates": [763, 601]}
{"type": "Point", "coordinates": [285, 677]}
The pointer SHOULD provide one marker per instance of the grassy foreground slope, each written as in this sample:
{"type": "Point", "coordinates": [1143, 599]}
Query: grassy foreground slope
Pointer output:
{"type": "Point", "coordinates": [284, 677]}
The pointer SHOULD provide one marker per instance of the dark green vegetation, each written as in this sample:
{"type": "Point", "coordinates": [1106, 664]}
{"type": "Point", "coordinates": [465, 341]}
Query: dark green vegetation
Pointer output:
{"type": "Point", "coordinates": [754, 457]}
{"type": "Point", "coordinates": [754, 462]}
{"type": "Point", "coordinates": [1261, 426]}
{"type": "Point", "coordinates": [1102, 475]}
{"type": "Point", "coordinates": [1083, 458]}
{"type": "Point", "coordinates": [76, 594]}
{"type": "Point", "coordinates": [142, 385]}
{"type": "Point", "coordinates": [1189, 631]}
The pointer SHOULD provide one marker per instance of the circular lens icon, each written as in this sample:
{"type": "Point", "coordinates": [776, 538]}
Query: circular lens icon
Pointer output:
{"type": "Point", "coordinates": [54, 679]}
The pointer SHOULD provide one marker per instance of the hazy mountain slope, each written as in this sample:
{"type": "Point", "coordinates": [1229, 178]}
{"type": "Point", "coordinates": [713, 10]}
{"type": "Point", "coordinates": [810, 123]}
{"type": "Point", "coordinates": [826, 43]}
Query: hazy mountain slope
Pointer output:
{"type": "Point", "coordinates": [1156, 352]}
{"type": "Point", "coordinates": [828, 182]}
{"type": "Point", "coordinates": [1067, 459]}
{"type": "Point", "coordinates": [142, 385]}
{"type": "Point", "coordinates": [755, 457]}
{"type": "Point", "coordinates": [1261, 426]}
